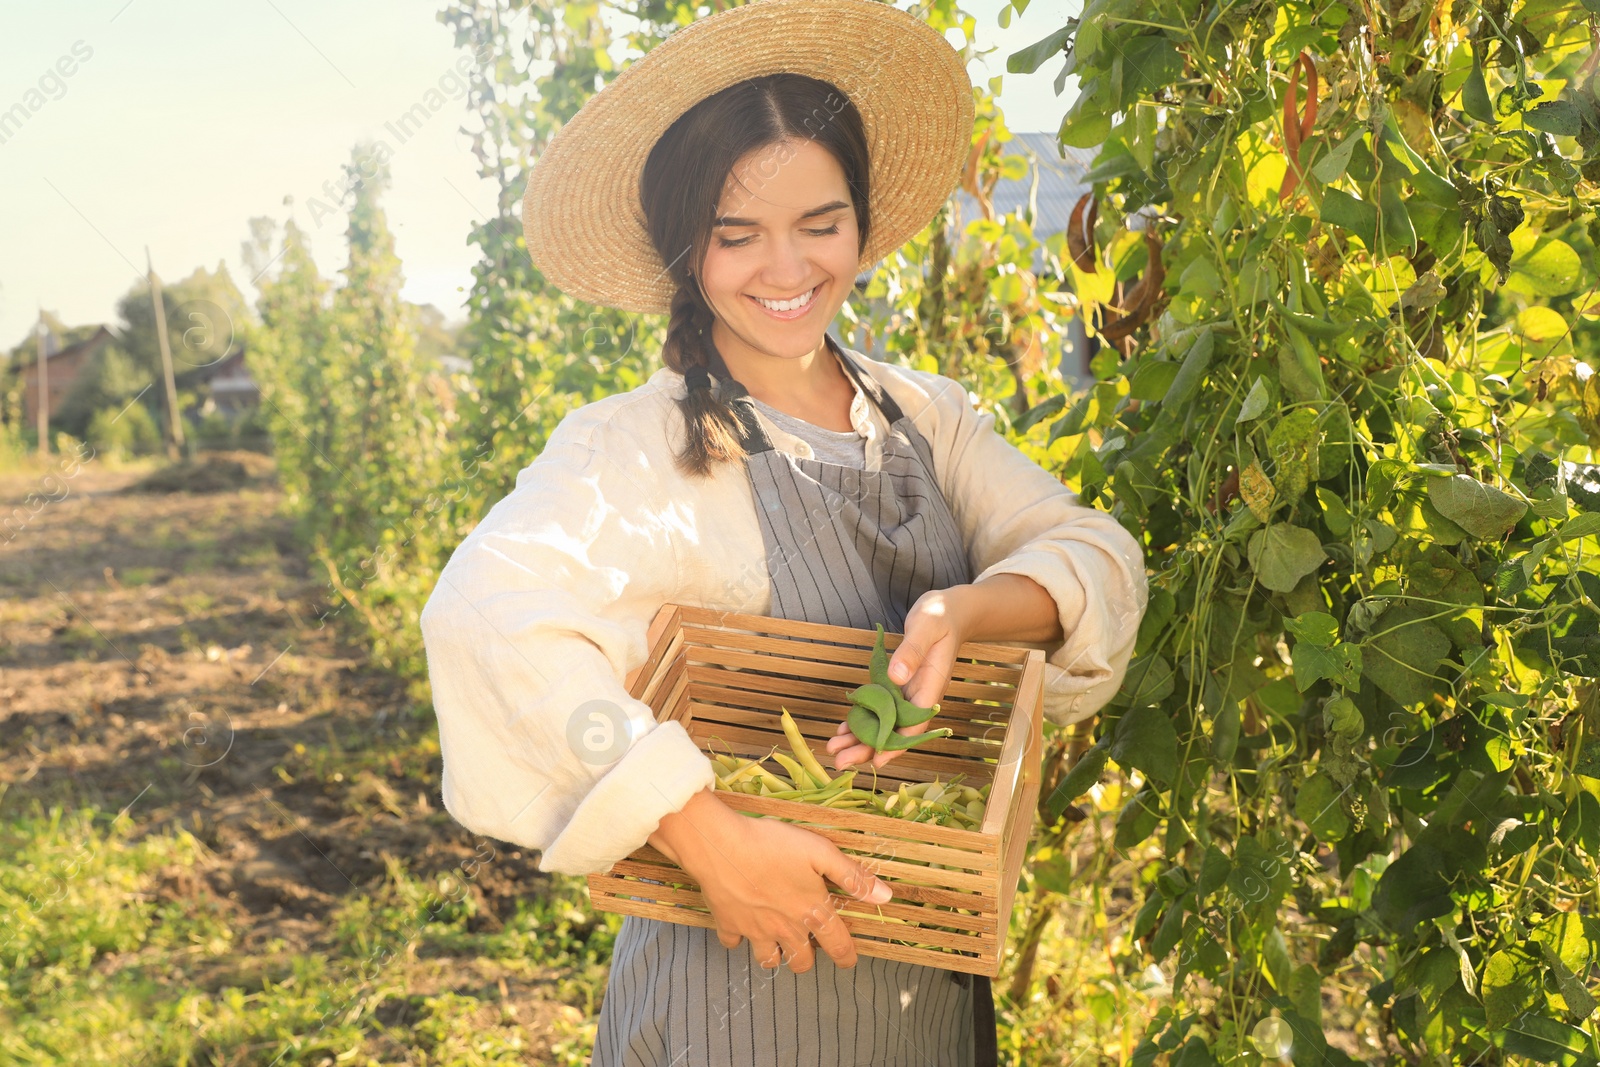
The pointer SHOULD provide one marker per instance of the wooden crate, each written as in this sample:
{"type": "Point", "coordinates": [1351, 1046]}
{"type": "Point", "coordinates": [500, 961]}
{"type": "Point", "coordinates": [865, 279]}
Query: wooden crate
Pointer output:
{"type": "Point", "coordinates": [725, 676]}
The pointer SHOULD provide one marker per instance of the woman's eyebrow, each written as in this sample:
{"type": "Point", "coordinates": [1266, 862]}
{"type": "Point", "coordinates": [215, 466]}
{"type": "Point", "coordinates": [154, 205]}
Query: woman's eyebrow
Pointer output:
{"type": "Point", "coordinates": [734, 220]}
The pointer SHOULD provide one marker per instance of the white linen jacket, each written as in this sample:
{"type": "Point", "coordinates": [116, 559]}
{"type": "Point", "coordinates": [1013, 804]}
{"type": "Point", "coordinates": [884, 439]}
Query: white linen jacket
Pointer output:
{"type": "Point", "coordinates": [543, 608]}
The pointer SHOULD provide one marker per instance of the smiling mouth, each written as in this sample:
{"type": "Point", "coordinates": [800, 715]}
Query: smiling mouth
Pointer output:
{"type": "Point", "coordinates": [792, 304]}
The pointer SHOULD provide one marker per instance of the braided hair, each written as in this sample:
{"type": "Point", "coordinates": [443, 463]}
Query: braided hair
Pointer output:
{"type": "Point", "coordinates": [679, 189]}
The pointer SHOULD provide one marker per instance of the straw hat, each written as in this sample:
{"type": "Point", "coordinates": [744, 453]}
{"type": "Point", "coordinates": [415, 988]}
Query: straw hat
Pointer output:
{"type": "Point", "coordinates": [582, 218]}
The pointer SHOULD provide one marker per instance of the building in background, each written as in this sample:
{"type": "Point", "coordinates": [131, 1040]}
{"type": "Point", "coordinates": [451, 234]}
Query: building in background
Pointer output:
{"type": "Point", "coordinates": [1061, 183]}
{"type": "Point", "coordinates": [65, 358]}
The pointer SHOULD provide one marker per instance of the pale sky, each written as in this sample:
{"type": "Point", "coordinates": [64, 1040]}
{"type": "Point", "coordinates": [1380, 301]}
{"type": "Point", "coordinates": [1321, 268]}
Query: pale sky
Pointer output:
{"type": "Point", "coordinates": [181, 119]}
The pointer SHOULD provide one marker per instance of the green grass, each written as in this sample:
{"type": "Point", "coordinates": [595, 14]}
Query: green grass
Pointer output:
{"type": "Point", "coordinates": [99, 965]}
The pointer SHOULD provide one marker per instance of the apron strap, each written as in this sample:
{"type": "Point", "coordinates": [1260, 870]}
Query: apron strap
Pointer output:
{"type": "Point", "coordinates": [868, 384]}
{"type": "Point", "coordinates": [752, 435]}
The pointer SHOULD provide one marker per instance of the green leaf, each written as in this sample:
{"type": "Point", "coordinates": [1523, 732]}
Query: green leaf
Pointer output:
{"type": "Point", "coordinates": [1225, 733]}
{"type": "Point", "coordinates": [1483, 511]}
{"type": "Point", "coordinates": [1149, 679]}
{"type": "Point", "coordinates": [1416, 887]}
{"type": "Point", "coordinates": [1072, 423]}
{"type": "Point", "coordinates": [1570, 936]}
{"type": "Point", "coordinates": [1200, 279]}
{"type": "Point", "coordinates": [1555, 116]}
{"type": "Point", "coordinates": [1255, 401]}
{"type": "Point", "coordinates": [1314, 628]}
{"type": "Point", "coordinates": [1283, 554]}
{"type": "Point", "coordinates": [1088, 123]}
{"type": "Point", "coordinates": [1167, 933]}
{"type": "Point", "coordinates": [1137, 820]}
{"type": "Point", "coordinates": [1293, 444]}
{"type": "Point", "coordinates": [1316, 804]}
{"type": "Point", "coordinates": [1542, 265]}
{"type": "Point", "coordinates": [1039, 412]}
{"type": "Point", "coordinates": [1151, 379]}
{"type": "Point", "coordinates": [1078, 781]}
{"type": "Point", "coordinates": [1193, 371]}
{"type": "Point", "coordinates": [1404, 652]}
{"type": "Point", "coordinates": [1546, 1040]}
{"type": "Point", "coordinates": [1150, 61]}
{"type": "Point", "coordinates": [1029, 59]}
{"type": "Point", "coordinates": [1334, 512]}
{"type": "Point", "coordinates": [1341, 663]}
{"type": "Point", "coordinates": [1146, 739]}
{"type": "Point", "coordinates": [1540, 323]}
{"type": "Point", "coordinates": [1579, 1001]}
{"type": "Point", "coordinates": [1331, 167]}
{"type": "Point", "coordinates": [1214, 868]}
{"type": "Point", "coordinates": [1341, 209]}
{"type": "Point", "coordinates": [1511, 986]}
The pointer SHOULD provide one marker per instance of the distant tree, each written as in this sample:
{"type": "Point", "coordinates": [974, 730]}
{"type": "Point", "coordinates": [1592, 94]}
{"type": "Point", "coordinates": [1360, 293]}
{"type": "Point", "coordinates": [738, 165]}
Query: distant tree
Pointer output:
{"type": "Point", "coordinates": [110, 378]}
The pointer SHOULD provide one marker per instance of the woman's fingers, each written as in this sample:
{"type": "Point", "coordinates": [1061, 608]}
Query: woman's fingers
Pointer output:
{"type": "Point", "coordinates": [797, 950]}
{"type": "Point", "coordinates": [851, 756]}
{"type": "Point", "coordinates": [729, 939]}
{"type": "Point", "coordinates": [833, 937]}
{"type": "Point", "coordinates": [842, 738]}
{"type": "Point", "coordinates": [767, 955]}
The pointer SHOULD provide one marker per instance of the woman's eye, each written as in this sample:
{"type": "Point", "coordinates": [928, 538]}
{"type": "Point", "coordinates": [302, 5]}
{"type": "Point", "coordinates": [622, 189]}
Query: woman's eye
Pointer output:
{"type": "Point", "coordinates": [723, 242]}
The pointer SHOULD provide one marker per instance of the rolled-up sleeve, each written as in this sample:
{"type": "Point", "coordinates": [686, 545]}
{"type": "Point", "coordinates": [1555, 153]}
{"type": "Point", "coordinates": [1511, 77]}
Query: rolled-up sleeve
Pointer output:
{"type": "Point", "coordinates": [1017, 518]}
{"type": "Point", "coordinates": [533, 625]}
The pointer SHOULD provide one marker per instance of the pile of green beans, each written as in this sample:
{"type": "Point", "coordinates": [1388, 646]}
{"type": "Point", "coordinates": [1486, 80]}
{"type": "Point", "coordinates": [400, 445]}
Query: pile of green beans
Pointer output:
{"type": "Point", "coordinates": [945, 803]}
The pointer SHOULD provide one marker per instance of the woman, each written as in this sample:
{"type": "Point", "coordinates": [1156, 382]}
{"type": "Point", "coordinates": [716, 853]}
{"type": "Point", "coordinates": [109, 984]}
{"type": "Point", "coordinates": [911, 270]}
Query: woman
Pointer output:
{"type": "Point", "coordinates": [739, 177]}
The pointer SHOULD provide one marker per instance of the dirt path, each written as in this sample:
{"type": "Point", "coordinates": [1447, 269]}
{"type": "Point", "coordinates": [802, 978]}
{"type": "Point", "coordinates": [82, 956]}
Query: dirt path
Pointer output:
{"type": "Point", "coordinates": [160, 653]}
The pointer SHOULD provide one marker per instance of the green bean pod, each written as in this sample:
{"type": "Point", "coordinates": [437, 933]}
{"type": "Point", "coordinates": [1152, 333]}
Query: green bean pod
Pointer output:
{"type": "Point", "coordinates": [898, 741]}
{"type": "Point", "coordinates": [909, 714]}
{"type": "Point", "coordinates": [864, 724]}
{"type": "Point", "coordinates": [874, 698]}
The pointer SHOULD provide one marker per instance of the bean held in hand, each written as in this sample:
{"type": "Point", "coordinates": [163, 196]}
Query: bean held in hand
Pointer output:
{"type": "Point", "coordinates": [889, 708]}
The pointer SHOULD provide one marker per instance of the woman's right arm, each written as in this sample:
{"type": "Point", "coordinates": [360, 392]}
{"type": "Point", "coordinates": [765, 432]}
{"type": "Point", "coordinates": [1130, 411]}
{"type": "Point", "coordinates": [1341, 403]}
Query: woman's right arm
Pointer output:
{"type": "Point", "coordinates": [533, 625]}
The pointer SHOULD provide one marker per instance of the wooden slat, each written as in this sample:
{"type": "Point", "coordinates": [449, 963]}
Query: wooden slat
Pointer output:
{"type": "Point", "coordinates": [668, 900]}
{"type": "Point", "coordinates": [1020, 821]}
{"type": "Point", "coordinates": [985, 962]}
{"type": "Point", "coordinates": [871, 823]}
{"type": "Point", "coordinates": [979, 922]}
{"type": "Point", "coordinates": [734, 621]}
{"type": "Point", "coordinates": [664, 628]}
{"type": "Point", "coordinates": [970, 665]}
{"type": "Point", "coordinates": [820, 682]}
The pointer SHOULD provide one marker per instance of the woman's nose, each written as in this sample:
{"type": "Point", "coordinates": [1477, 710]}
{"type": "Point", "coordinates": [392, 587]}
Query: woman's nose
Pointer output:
{"type": "Point", "coordinates": [787, 266]}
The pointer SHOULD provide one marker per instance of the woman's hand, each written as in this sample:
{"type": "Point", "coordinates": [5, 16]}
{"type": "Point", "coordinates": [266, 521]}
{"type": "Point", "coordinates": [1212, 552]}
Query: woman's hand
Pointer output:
{"type": "Point", "coordinates": [936, 627]}
{"type": "Point", "coordinates": [764, 879]}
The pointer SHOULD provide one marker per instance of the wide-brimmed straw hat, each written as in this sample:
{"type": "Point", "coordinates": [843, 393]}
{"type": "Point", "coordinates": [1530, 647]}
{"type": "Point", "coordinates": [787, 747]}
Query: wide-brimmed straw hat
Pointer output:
{"type": "Point", "coordinates": [581, 214]}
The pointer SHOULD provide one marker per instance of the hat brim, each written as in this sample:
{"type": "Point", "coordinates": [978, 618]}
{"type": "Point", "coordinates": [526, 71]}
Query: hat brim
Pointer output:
{"type": "Point", "coordinates": [582, 218]}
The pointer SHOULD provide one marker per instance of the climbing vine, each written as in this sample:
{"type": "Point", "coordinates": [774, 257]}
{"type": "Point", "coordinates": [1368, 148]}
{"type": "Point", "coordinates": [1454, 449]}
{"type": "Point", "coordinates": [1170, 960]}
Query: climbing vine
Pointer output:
{"type": "Point", "coordinates": [1344, 398]}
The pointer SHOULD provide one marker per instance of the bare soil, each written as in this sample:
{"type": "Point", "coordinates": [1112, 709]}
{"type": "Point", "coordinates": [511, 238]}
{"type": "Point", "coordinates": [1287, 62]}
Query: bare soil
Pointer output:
{"type": "Point", "coordinates": [160, 652]}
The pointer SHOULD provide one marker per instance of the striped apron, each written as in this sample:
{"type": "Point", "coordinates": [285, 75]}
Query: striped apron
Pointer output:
{"type": "Point", "coordinates": [846, 547]}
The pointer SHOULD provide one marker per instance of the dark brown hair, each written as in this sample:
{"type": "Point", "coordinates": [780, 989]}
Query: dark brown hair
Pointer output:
{"type": "Point", "coordinates": [679, 189]}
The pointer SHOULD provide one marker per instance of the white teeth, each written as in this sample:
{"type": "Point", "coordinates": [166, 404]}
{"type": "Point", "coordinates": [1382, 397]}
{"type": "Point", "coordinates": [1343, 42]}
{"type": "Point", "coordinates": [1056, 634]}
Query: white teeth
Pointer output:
{"type": "Point", "coordinates": [789, 305]}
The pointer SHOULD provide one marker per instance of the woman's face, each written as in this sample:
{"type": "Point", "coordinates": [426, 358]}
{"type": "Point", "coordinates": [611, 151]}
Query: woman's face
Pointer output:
{"type": "Point", "coordinates": [785, 229]}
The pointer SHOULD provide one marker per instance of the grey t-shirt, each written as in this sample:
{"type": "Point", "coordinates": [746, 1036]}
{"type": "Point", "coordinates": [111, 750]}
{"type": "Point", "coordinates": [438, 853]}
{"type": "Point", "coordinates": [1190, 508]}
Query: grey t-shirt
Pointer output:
{"type": "Point", "coordinates": [847, 448]}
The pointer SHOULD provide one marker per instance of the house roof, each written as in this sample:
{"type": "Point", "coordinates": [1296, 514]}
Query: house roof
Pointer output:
{"type": "Point", "coordinates": [52, 352]}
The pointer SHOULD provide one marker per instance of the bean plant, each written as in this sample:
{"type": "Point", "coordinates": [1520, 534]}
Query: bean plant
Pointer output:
{"type": "Point", "coordinates": [1341, 259]}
